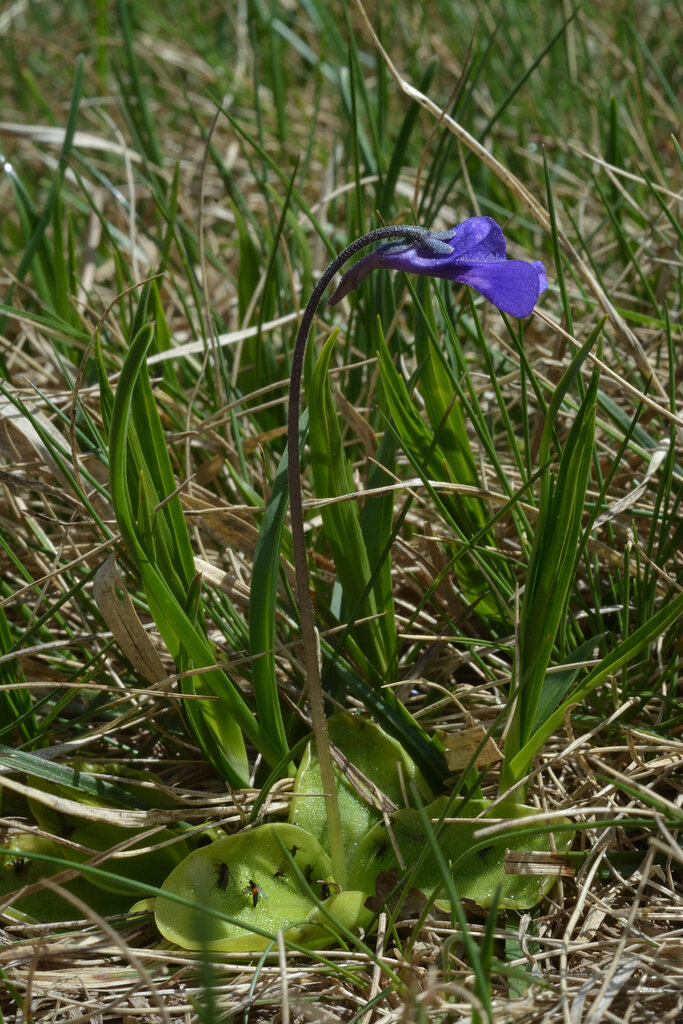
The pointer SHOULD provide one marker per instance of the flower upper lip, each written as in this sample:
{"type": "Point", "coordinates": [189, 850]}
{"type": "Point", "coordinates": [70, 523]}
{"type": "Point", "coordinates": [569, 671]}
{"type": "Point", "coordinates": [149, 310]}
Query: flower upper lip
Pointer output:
{"type": "Point", "coordinates": [471, 253]}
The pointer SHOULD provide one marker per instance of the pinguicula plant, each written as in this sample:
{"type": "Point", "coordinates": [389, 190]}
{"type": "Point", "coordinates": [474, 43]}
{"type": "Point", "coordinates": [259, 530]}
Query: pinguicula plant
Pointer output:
{"type": "Point", "coordinates": [472, 253]}
{"type": "Point", "coordinates": [289, 869]}
{"type": "Point", "coordinates": [310, 877]}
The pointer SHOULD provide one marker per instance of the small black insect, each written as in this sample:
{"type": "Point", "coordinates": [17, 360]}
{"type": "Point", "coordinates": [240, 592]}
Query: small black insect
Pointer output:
{"type": "Point", "coordinates": [380, 849]}
{"type": "Point", "coordinates": [484, 852]}
{"type": "Point", "coordinates": [284, 867]}
{"type": "Point", "coordinates": [223, 875]}
{"type": "Point", "coordinates": [327, 888]}
{"type": "Point", "coordinates": [308, 872]}
{"type": "Point", "coordinates": [255, 891]}
{"type": "Point", "coordinates": [19, 864]}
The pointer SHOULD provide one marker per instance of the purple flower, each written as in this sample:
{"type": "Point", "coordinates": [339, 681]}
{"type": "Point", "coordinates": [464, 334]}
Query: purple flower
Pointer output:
{"type": "Point", "coordinates": [472, 253]}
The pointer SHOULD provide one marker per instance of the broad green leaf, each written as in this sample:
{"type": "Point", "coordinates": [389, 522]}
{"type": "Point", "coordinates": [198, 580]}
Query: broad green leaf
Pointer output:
{"type": "Point", "coordinates": [242, 889]}
{"type": "Point", "coordinates": [165, 848]}
{"type": "Point", "coordinates": [476, 867]}
{"type": "Point", "coordinates": [379, 758]}
{"type": "Point", "coordinates": [384, 707]}
{"type": "Point", "coordinates": [17, 870]}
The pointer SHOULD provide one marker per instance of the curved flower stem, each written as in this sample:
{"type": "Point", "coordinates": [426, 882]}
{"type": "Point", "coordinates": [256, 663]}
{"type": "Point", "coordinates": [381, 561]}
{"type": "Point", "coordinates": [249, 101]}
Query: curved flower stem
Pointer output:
{"type": "Point", "coordinates": [303, 587]}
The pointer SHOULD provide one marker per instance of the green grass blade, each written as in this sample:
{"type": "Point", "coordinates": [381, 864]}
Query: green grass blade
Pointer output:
{"type": "Point", "coordinates": [482, 983]}
{"type": "Point", "coordinates": [333, 479]}
{"type": "Point", "coordinates": [427, 456]}
{"type": "Point", "coordinates": [45, 218]}
{"type": "Point", "coordinates": [445, 414]}
{"type": "Point", "coordinates": [171, 618]}
{"type": "Point", "coordinates": [16, 705]}
{"type": "Point", "coordinates": [377, 527]}
{"type": "Point", "coordinates": [175, 550]}
{"type": "Point", "coordinates": [73, 778]}
{"type": "Point", "coordinates": [553, 560]}
{"type": "Point", "coordinates": [623, 653]}
{"type": "Point", "coordinates": [139, 110]}
{"type": "Point", "coordinates": [263, 604]}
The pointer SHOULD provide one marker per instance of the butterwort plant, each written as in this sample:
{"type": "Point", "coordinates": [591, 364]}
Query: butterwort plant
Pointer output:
{"type": "Point", "coordinates": [472, 253]}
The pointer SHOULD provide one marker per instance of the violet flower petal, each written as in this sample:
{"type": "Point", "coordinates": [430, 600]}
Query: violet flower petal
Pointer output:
{"type": "Point", "coordinates": [477, 258]}
{"type": "Point", "coordinates": [513, 286]}
{"type": "Point", "coordinates": [478, 238]}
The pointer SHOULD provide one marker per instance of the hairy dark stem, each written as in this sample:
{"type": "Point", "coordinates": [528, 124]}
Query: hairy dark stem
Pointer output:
{"type": "Point", "coordinates": [303, 587]}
